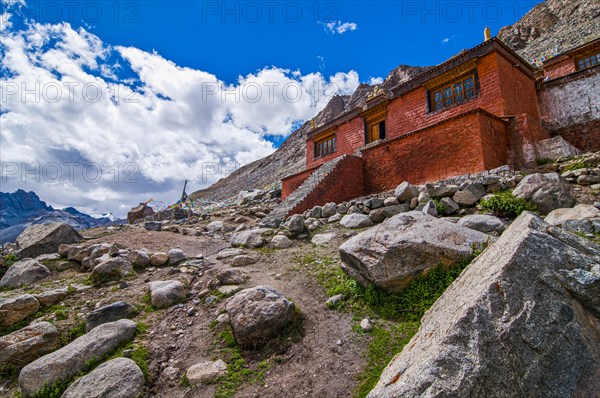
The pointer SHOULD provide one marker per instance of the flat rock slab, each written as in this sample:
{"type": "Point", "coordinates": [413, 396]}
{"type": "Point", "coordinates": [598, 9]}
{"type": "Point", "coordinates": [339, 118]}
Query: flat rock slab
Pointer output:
{"type": "Point", "coordinates": [322, 239]}
{"type": "Point", "coordinates": [395, 252]}
{"type": "Point", "coordinates": [580, 212]}
{"type": "Point", "coordinates": [118, 378]}
{"type": "Point", "coordinates": [24, 273]}
{"type": "Point", "coordinates": [73, 358]}
{"type": "Point", "coordinates": [28, 344]}
{"type": "Point", "coordinates": [45, 238]}
{"type": "Point", "coordinates": [109, 313]}
{"type": "Point", "coordinates": [356, 220]}
{"type": "Point", "coordinates": [483, 223]}
{"type": "Point", "coordinates": [15, 309]}
{"type": "Point", "coordinates": [521, 320]}
{"type": "Point", "coordinates": [206, 372]}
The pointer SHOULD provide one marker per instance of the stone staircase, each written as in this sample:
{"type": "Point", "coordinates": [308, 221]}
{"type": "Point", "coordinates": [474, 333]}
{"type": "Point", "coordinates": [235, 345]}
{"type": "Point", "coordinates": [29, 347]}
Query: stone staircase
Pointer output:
{"type": "Point", "coordinates": [297, 201]}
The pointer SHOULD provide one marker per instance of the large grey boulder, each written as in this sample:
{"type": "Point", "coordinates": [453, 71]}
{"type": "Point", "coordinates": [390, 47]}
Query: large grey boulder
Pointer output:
{"type": "Point", "coordinates": [176, 256]}
{"type": "Point", "coordinates": [139, 258]}
{"type": "Point", "coordinates": [554, 148]}
{"type": "Point", "coordinates": [281, 242]}
{"type": "Point", "coordinates": [470, 195]}
{"type": "Point", "coordinates": [328, 210]}
{"type": "Point", "coordinates": [45, 238]}
{"type": "Point", "coordinates": [295, 224]}
{"type": "Point", "coordinates": [28, 344]}
{"type": "Point", "coordinates": [580, 212]}
{"type": "Point", "coordinates": [117, 378]}
{"type": "Point", "coordinates": [24, 273]}
{"type": "Point", "coordinates": [356, 220]}
{"type": "Point", "coordinates": [393, 253]}
{"type": "Point", "coordinates": [112, 268]}
{"type": "Point", "coordinates": [63, 364]}
{"type": "Point", "coordinates": [15, 309]}
{"type": "Point", "coordinates": [405, 192]}
{"type": "Point", "coordinates": [164, 294]}
{"type": "Point", "coordinates": [258, 314]}
{"type": "Point", "coordinates": [483, 223]}
{"type": "Point", "coordinates": [251, 238]}
{"type": "Point", "coordinates": [251, 195]}
{"type": "Point", "coordinates": [546, 191]}
{"type": "Point", "coordinates": [521, 321]}
{"type": "Point", "coordinates": [109, 313]}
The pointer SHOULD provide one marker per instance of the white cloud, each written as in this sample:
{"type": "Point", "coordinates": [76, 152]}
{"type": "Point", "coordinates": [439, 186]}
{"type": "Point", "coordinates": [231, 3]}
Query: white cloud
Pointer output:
{"type": "Point", "coordinates": [339, 27]}
{"type": "Point", "coordinates": [121, 109]}
{"type": "Point", "coordinates": [375, 80]}
{"type": "Point", "coordinates": [446, 40]}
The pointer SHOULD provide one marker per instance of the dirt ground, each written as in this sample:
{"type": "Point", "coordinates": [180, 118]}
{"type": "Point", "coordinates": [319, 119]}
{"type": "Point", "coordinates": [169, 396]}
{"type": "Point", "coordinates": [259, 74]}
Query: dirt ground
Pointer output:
{"type": "Point", "coordinates": [324, 363]}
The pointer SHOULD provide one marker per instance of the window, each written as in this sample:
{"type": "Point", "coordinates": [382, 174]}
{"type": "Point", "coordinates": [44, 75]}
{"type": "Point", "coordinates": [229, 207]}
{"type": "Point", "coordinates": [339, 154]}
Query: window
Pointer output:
{"type": "Point", "coordinates": [375, 130]}
{"type": "Point", "coordinates": [588, 62]}
{"type": "Point", "coordinates": [325, 146]}
{"type": "Point", "coordinates": [454, 93]}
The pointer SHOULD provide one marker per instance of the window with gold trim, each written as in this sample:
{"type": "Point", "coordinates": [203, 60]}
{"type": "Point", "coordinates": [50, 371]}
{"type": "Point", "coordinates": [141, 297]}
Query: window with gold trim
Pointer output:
{"type": "Point", "coordinates": [588, 62]}
{"type": "Point", "coordinates": [325, 146]}
{"type": "Point", "coordinates": [456, 92]}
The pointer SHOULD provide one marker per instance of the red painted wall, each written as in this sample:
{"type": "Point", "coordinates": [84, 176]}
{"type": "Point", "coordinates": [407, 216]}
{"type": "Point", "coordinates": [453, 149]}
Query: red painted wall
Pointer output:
{"type": "Point", "coordinates": [449, 149]}
{"type": "Point", "coordinates": [560, 68]}
{"type": "Point", "coordinates": [290, 183]}
{"type": "Point", "coordinates": [343, 183]}
{"type": "Point", "coordinates": [349, 137]}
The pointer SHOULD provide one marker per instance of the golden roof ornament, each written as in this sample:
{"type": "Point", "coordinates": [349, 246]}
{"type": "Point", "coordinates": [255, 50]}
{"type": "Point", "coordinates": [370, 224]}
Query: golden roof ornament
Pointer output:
{"type": "Point", "coordinates": [377, 90]}
{"type": "Point", "coordinates": [487, 35]}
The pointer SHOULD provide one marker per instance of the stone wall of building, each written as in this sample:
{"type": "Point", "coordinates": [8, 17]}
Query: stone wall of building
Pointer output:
{"type": "Point", "coordinates": [570, 107]}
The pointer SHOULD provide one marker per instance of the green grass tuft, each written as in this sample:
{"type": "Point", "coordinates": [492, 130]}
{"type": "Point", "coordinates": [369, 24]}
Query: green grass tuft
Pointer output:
{"type": "Point", "coordinates": [504, 204]}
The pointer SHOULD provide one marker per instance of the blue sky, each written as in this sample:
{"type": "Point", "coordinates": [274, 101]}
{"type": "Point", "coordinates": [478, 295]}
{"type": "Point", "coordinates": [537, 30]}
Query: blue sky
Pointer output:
{"type": "Point", "coordinates": [236, 37]}
{"type": "Point", "coordinates": [165, 90]}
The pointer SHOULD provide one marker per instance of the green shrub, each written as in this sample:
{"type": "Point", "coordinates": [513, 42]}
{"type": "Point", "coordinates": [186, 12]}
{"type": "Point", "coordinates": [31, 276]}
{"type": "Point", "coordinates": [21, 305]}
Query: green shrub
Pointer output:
{"type": "Point", "coordinates": [577, 166]}
{"type": "Point", "coordinates": [504, 204]}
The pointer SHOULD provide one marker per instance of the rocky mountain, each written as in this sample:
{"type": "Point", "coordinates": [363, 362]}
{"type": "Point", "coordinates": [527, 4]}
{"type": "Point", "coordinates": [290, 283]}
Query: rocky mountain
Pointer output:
{"type": "Point", "coordinates": [554, 24]}
{"type": "Point", "coordinates": [20, 209]}
{"type": "Point", "coordinates": [561, 24]}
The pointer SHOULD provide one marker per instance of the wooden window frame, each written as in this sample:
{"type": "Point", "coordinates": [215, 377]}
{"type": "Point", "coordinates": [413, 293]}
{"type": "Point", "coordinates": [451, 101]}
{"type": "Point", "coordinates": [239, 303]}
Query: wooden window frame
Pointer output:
{"type": "Point", "coordinates": [373, 116]}
{"type": "Point", "coordinates": [589, 60]}
{"type": "Point", "coordinates": [453, 92]}
{"type": "Point", "coordinates": [325, 145]}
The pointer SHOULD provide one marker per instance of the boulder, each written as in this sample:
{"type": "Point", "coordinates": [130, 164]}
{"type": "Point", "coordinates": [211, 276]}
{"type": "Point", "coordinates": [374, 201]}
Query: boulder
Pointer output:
{"type": "Point", "coordinates": [441, 191]}
{"type": "Point", "coordinates": [315, 212]}
{"type": "Point", "coordinates": [153, 225]}
{"type": "Point", "coordinates": [139, 213]}
{"type": "Point", "coordinates": [356, 220]}
{"type": "Point", "coordinates": [580, 212]}
{"type": "Point", "coordinates": [270, 222]}
{"type": "Point", "coordinates": [28, 344]}
{"type": "Point", "coordinates": [258, 314]}
{"type": "Point", "coordinates": [243, 260]}
{"type": "Point", "coordinates": [430, 209]}
{"type": "Point", "coordinates": [206, 372]}
{"type": "Point", "coordinates": [405, 192]}
{"type": "Point", "coordinates": [393, 253]}
{"type": "Point", "coordinates": [51, 297]}
{"type": "Point", "coordinates": [227, 253]}
{"type": "Point", "coordinates": [335, 218]}
{"type": "Point", "coordinates": [67, 362]}
{"type": "Point", "coordinates": [518, 322]}
{"type": "Point", "coordinates": [176, 256]}
{"type": "Point", "coordinates": [390, 201]}
{"type": "Point", "coordinates": [164, 294]}
{"type": "Point", "coordinates": [470, 195]}
{"type": "Point", "coordinates": [377, 215]}
{"type": "Point", "coordinates": [546, 191]}
{"type": "Point", "coordinates": [232, 277]}
{"type": "Point", "coordinates": [24, 273]}
{"type": "Point", "coordinates": [113, 268]}
{"type": "Point", "coordinates": [586, 226]}
{"type": "Point", "coordinates": [321, 239]}
{"type": "Point", "coordinates": [328, 210]}
{"type": "Point", "coordinates": [15, 309]}
{"type": "Point", "coordinates": [391, 211]}
{"type": "Point", "coordinates": [45, 238]}
{"type": "Point", "coordinates": [215, 226]}
{"type": "Point", "coordinates": [554, 148]}
{"type": "Point", "coordinates": [373, 203]}
{"type": "Point", "coordinates": [450, 206]}
{"type": "Point", "coordinates": [251, 195]}
{"type": "Point", "coordinates": [109, 313]}
{"type": "Point", "coordinates": [295, 224]}
{"type": "Point", "coordinates": [139, 258]}
{"type": "Point", "coordinates": [281, 242]}
{"type": "Point", "coordinates": [117, 378]}
{"type": "Point", "coordinates": [158, 259]}
{"type": "Point", "coordinates": [482, 223]}
{"type": "Point", "coordinates": [251, 238]}
{"type": "Point", "coordinates": [63, 249]}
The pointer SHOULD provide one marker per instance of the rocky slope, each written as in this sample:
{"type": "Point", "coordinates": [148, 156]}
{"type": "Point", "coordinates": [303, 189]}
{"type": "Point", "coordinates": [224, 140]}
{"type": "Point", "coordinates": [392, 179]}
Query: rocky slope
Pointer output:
{"type": "Point", "coordinates": [560, 24]}
{"type": "Point", "coordinates": [554, 23]}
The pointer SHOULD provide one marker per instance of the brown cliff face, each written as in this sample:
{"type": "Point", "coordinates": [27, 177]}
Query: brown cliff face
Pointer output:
{"type": "Point", "coordinates": [553, 24]}
{"type": "Point", "coordinates": [561, 24]}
